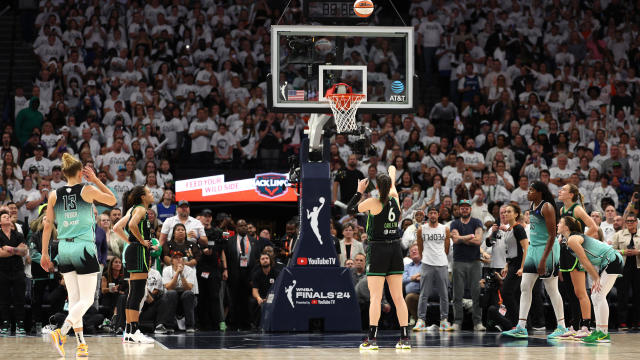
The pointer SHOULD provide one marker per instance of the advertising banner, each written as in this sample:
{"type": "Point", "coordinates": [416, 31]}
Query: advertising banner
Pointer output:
{"type": "Point", "coordinates": [264, 187]}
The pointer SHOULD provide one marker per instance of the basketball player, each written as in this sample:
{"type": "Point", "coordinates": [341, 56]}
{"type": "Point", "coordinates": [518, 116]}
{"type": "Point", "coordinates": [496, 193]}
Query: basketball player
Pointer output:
{"type": "Point", "coordinates": [542, 259]}
{"type": "Point", "coordinates": [591, 252]}
{"type": "Point", "coordinates": [433, 243]}
{"type": "Point", "coordinates": [77, 258]}
{"type": "Point", "coordinates": [384, 258]}
{"type": "Point", "coordinates": [137, 257]}
{"type": "Point", "coordinates": [570, 195]}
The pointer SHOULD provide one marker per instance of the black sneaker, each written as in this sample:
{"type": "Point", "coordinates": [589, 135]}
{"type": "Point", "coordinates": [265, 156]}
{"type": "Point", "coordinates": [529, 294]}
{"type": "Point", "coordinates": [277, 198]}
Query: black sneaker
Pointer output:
{"type": "Point", "coordinates": [5, 329]}
{"type": "Point", "coordinates": [20, 329]}
{"type": "Point", "coordinates": [160, 329]}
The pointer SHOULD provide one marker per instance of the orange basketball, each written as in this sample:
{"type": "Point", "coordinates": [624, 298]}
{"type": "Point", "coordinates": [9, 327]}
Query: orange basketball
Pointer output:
{"type": "Point", "coordinates": [363, 8]}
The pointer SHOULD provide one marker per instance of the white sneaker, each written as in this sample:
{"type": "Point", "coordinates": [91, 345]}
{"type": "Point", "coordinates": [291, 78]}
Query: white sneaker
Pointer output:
{"type": "Point", "coordinates": [139, 338]}
{"type": "Point", "coordinates": [456, 327]}
{"type": "Point", "coordinates": [479, 327]}
{"type": "Point", "coordinates": [433, 327]}
{"type": "Point", "coordinates": [48, 329]}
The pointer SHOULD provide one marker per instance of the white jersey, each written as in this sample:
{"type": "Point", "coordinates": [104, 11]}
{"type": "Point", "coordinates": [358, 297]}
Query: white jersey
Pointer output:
{"type": "Point", "coordinates": [433, 240]}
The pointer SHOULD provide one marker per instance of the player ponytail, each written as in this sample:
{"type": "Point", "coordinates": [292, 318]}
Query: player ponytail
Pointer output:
{"type": "Point", "coordinates": [70, 165]}
{"type": "Point", "coordinates": [384, 186]}
{"type": "Point", "coordinates": [133, 197]}
{"type": "Point", "coordinates": [576, 195]}
{"type": "Point", "coordinates": [573, 224]}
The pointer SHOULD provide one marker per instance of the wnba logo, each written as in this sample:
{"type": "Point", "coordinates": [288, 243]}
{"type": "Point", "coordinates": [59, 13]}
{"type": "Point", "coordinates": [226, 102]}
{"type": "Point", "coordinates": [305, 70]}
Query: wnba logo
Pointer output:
{"type": "Point", "coordinates": [271, 185]}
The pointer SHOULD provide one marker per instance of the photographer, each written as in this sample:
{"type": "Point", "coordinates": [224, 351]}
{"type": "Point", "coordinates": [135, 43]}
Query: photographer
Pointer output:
{"type": "Point", "coordinates": [491, 302]}
{"type": "Point", "coordinates": [211, 270]}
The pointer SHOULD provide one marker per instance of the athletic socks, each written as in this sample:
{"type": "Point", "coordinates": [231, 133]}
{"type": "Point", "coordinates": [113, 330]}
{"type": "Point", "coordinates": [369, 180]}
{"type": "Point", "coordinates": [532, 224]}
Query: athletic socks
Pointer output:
{"type": "Point", "coordinates": [134, 327]}
{"type": "Point", "coordinates": [522, 323]}
{"type": "Point", "coordinates": [404, 332]}
{"type": "Point", "coordinates": [127, 328]}
{"type": "Point", "coordinates": [373, 332]}
{"type": "Point", "coordinates": [65, 328]}
{"type": "Point", "coordinates": [80, 337]}
{"type": "Point", "coordinates": [561, 323]}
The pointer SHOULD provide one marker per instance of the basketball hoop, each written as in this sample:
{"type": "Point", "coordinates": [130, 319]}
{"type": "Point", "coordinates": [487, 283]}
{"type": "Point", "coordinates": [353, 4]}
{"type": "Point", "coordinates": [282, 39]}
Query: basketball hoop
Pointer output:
{"type": "Point", "coordinates": [344, 107]}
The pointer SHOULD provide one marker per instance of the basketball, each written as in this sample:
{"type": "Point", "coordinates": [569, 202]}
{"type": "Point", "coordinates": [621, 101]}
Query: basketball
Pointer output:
{"type": "Point", "coordinates": [323, 46]}
{"type": "Point", "coordinates": [363, 8]}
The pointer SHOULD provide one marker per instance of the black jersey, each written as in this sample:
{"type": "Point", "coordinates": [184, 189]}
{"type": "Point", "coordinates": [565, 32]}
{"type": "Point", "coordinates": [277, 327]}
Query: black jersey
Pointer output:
{"type": "Point", "coordinates": [571, 212]}
{"type": "Point", "coordinates": [144, 226]}
{"type": "Point", "coordinates": [384, 226]}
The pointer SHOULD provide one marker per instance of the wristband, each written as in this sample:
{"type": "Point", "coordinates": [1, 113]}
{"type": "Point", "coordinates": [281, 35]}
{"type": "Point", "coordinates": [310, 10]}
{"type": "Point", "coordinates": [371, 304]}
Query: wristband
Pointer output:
{"type": "Point", "coordinates": [622, 252]}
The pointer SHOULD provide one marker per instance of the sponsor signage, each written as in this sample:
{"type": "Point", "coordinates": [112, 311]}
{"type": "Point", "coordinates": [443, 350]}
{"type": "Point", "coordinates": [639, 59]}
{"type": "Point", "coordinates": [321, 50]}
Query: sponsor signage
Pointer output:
{"type": "Point", "coordinates": [265, 187]}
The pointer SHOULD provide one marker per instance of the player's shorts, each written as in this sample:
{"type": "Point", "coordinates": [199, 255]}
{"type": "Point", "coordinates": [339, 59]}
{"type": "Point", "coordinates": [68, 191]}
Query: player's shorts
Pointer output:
{"type": "Point", "coordinates": [384, 258]}
{"type": "Point", "coordinates": [534, 255]}
{"type": "Point", "coordinates": [568, 261]}
{"type": "Point", "coordinates": [614, 267]}
{"type": "Point", "coordinates": [137, 258]}
{"type": "Point", "coordinates": [78, 254]}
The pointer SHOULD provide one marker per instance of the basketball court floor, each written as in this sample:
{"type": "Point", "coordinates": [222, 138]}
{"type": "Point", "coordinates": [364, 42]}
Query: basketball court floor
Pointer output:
{"type": "Point", "coordinates": [245, 345]}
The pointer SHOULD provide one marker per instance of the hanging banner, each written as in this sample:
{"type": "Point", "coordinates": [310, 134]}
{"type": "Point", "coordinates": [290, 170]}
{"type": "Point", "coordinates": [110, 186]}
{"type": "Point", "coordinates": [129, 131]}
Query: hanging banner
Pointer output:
{"type": "Point", "coordinates": [265, 187]}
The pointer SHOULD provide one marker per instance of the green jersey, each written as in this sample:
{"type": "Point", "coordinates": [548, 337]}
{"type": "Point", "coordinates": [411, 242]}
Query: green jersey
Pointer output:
{"type": "Point", "coordinates": [599, 253]}
{"type": "Point", "coordinates": [384, 226]}
{"type": "Point", "coordinates": [73, 215]}
{"type": "Point", "coordinates": [571, 212]}
{"type": "Point", "coordinates": [538, 227]}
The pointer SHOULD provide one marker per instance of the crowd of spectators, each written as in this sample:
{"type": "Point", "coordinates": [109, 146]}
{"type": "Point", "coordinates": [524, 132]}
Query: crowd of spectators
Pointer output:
{"type": "Point", "coordinates": [531, 90]}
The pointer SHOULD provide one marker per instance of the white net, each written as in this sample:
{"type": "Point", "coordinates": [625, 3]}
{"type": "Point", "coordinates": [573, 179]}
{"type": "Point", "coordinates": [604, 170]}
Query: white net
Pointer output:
{"type": "Point", "coordinates": [344, 108]}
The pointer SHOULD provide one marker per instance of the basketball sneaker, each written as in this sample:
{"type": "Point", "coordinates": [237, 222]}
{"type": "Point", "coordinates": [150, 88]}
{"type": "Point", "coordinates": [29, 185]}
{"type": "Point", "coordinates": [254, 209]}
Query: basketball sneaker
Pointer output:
{"type": "Point", "coordinates": [597, 336]}
{"type": "Point", "coordinates": [557, 332]}
{"type": "Point", "coordinates": [127, 338]}
{"type": "Point", "coordinates": [420, 326]}
{"type": "Point", "coordinates": [139, 338]}
{"type": "Point", "coordinates": [82, 350]}
{"type": "Point", "coordinates": [58, 341]}
{"type": "Point", "coordinates": [445, 325]}
{"type": "Point", "coordinates": [5, 329]}
{"type": "Point", "coordinates": [568, 335]}
{"type": "Point", "coordinates": [403, 344]}
{"type": "Point", "coordinates": [581, 334]}
{"type": "Point", "coordinates": [517, 332]}
{"type": "Point", "coordinates": [20, 331]}
{"type": "Point", "coordinates": [369, 344]}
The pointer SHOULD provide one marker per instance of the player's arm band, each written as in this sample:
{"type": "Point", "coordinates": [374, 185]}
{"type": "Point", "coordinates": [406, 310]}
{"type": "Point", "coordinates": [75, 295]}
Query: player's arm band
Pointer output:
{"type": "Point", "coordinates": [352, 206]}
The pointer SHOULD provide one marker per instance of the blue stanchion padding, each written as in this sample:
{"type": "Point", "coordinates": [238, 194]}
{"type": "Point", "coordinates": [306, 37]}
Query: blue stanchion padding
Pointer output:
{"type": "Point", "coordinates": [313, 288]}
{"type": "Point", "coordinates": [301, 296]}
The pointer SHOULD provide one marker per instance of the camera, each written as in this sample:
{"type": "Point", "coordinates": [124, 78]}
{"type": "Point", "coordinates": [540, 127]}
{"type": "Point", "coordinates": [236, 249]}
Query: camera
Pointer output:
{"type": "Point", "coordinates": [492, 281]}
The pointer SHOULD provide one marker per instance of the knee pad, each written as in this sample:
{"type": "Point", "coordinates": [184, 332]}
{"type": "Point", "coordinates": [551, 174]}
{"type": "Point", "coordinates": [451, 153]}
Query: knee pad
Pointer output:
{"type": "Point", "coordinates": [597, 298]}
{"type": "Point", "coordinates": [136, 293]}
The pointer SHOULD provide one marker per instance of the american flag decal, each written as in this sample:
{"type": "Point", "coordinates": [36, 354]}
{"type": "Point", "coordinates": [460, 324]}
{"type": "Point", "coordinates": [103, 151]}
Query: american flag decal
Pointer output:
{"type": "Point", "coordinates": [293, 95]}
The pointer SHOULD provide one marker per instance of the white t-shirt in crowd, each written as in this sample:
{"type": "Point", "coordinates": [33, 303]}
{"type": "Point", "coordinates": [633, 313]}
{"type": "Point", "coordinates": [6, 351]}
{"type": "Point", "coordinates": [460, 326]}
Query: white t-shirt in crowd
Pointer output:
{"type": "Point", "coordinates": [201, 143]}
{"type": "Point", "coordinates": [433, 239]}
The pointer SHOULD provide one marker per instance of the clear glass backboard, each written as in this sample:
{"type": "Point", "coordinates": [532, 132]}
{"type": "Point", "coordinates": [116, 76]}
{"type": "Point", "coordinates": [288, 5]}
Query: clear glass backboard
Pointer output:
{"type": "Point", "coordinates": [374, 60]}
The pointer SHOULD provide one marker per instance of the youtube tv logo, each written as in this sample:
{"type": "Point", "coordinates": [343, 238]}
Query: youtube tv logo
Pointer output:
{"type": "Point", "coordinates": [303, 261]}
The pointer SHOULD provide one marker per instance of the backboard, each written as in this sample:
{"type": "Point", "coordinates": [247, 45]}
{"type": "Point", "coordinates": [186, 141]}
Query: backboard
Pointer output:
{"type": "Point", "coordinates": [307, 60]}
